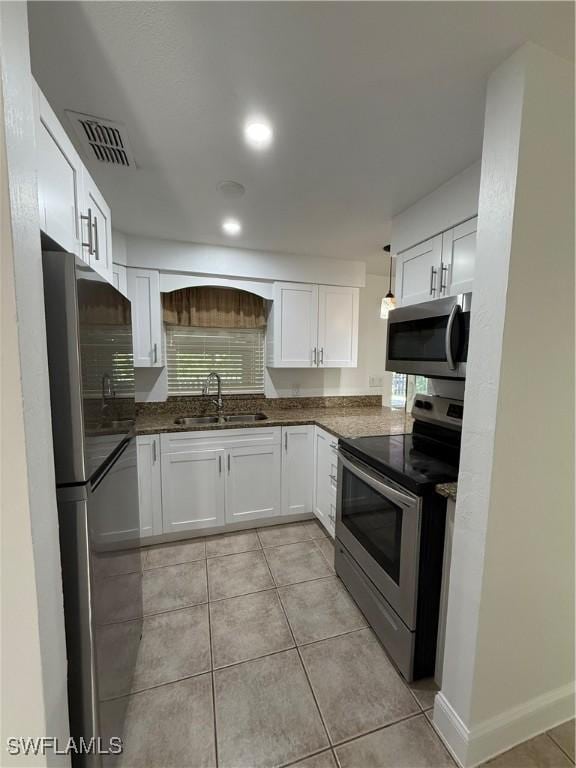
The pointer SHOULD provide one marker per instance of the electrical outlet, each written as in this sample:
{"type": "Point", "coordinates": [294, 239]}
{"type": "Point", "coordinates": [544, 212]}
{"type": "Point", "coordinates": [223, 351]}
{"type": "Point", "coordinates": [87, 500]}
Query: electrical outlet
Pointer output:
{"type": "Point", "coordinates": [376, 381]}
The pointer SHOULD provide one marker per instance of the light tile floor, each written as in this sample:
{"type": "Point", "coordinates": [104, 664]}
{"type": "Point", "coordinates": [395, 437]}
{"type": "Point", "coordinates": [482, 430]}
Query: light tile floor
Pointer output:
{"type": "Point", "coordinates": [254, 654]}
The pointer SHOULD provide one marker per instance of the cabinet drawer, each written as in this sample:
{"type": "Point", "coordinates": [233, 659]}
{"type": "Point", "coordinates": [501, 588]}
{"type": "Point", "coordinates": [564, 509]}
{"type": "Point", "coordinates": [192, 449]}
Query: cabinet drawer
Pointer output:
{"type": "Point", "coordinates": [176, 442]}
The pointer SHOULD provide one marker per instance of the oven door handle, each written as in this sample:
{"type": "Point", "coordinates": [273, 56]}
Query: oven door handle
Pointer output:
{"type": "Point", "coordinates": [448, 341]}
{"type": "Point", "coordinates": [400, 498]}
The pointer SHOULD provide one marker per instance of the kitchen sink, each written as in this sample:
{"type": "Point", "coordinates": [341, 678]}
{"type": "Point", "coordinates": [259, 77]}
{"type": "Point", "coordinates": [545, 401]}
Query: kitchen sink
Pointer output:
{"type": "Point", "coordinates": [190, 421]}
{"type": "Point", "coordinates": [243, 417]}
{"type": "Point", "coordinates": [234, 418]}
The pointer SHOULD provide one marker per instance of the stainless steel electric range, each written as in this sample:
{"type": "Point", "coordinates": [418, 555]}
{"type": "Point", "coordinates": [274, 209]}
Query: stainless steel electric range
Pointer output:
{"type": "Point", "coordinates": [390, 526]}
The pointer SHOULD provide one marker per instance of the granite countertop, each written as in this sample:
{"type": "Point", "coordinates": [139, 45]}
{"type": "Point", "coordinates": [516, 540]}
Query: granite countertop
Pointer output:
{"type": "Point", "coordinates": [448, 490]}
{"type": "Point", "coordinates": [349, 421]}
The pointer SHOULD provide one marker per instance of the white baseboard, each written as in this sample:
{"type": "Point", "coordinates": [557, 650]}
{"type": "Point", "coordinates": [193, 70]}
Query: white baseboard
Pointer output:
{"type": "Point", "coordinates": [471, 746]}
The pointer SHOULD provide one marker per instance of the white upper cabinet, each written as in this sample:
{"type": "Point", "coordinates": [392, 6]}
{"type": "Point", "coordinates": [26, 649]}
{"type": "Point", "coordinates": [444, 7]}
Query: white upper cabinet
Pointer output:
{"type": "Point", "coordinates": [144, 293]}
{"type": "Point", "coordinates": [337, 327]}
{"type": "Point", "coordinates": [59, 180]}
{"type": "Point", "coordinates": [441, 266]}
{"type": "Point", "coordinates": [458, 258]}
{"type": "Point", "coordinates": [313, 326]}
{"type": "Point", "coordinates": [71, 208]}
{"type": "Point", "coordinates": [120, 278]}
{"type": "Point", "coordinates": [96, 227]}
{"type": "Point", "coordinates": [297, 469]}
{"type": "Point", "coordinates": [293, 326]}
{"type": "Point", "coordinates": [418, 272]}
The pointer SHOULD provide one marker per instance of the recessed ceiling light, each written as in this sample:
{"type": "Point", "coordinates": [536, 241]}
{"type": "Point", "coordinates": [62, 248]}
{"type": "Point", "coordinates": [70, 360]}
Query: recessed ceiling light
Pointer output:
{"type": "Point", "coordinates": [258, 133]}
{"type": "Point", "coordinates": [231, 227]}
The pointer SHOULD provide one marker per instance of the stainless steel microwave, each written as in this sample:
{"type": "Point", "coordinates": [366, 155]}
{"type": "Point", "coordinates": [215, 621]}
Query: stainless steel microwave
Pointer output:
{"type": "Point", "coordinates": [430, 339]}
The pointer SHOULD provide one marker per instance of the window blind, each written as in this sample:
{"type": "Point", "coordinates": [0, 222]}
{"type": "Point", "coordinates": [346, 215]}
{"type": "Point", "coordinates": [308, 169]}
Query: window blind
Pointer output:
{"type": "Point", "coordinates": [236, 354]}
{"type": "Point", "coordinates": [107, 349]}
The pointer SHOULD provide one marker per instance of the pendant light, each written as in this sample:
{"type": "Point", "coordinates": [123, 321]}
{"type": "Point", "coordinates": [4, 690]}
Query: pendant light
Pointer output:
{"type": "Point", "coordinates": [389, 301]}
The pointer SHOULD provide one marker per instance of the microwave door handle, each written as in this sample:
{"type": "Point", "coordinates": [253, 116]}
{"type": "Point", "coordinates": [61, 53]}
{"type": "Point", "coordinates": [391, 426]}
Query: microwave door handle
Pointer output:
{"type": "Point", "coordinates": [400, 498]}
{"type": "Point", "coordinates": [448, 341]}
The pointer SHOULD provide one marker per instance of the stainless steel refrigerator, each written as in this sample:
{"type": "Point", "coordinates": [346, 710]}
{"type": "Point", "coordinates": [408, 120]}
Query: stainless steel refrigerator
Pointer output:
{"type": "Point", "coordinates": [89, 332]}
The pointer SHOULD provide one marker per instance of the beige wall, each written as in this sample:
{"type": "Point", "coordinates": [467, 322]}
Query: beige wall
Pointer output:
{"type": "Point", "coordinates": [509, 656]}
{"type": "Point", "coordinates": [23, 710]}
{"type": "Point", "coordinates": [34, 672]}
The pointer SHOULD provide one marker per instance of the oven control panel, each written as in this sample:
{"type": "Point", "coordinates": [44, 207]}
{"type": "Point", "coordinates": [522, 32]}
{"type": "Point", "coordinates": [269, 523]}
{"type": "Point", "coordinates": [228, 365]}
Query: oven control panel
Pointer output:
{"type": "Point", "coordinates": [439, 410]}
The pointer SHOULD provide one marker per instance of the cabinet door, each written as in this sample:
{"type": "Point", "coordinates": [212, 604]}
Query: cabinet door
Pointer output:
{"type": "Point", "coordinates": [326, 472]}
{"type": "Point", "coordinates": [59, 179]}
{"type": "Point", "coordinates": [96, 228]}
{"type": "Point", "coordinates": [337, 326]}
{"type": "Point", "coordinates": [193, 490]}
{"type": "Point", "coordinates": [119, 279]}
{"type": "Point", "coordinates": [252, 483]}
{"type": "Point", "coordinates": [297, 470]}
{"type": "Point", "coordinates": [294, 326]}
{"type": "Point", "coordinates": [149, 485]}
{"type": "Point", "coordinates": [144, 292]}
{"type": "Point", "coordinates": [458, 258]}
{"type": "Point", "coordinates": [418, 272]}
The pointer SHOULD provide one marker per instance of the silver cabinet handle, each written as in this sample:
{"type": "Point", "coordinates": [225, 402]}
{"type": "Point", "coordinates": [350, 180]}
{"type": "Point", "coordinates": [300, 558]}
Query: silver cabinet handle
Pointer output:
{"type": "Point", "coordinates": [220, 464]}
{"type": "Point", "coordinates": [153, 451]}
{"type": "Point", "coordinates": [96, 247]}
{"type": "Point", "coordinates": [433, 273]}
{"type": "Point", "coordinates": [155, 352]}
{"type": "Point", "coordinates": [443, 285]}
{"type": "Point", "coordinates": [89, 244]}
{"type": "Point", "coordinates": [334, 446]}
{"type": "Point", "coordinates": [448, 339]}
{"type": "Point", "coordinates": [314, 356]}
{"type": "Point", "coordinates": [286, 441]}
{"type": "Point", "coordinates": [228, 463]}
{"type": "Point", "coordinates": [321, 355]}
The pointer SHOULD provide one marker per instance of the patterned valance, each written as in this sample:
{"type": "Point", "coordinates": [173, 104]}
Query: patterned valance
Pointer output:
{"type": "Point", "coordinates": [214, 307]}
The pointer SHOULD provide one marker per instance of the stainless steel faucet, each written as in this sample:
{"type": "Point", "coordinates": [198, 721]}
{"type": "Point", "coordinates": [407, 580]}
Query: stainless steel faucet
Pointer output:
{"type": "Point", "coordinates": [218, 401]}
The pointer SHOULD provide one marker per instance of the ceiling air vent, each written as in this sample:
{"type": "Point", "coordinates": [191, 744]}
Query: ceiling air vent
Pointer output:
{"type": "Point", "coordinates": [105, 140]}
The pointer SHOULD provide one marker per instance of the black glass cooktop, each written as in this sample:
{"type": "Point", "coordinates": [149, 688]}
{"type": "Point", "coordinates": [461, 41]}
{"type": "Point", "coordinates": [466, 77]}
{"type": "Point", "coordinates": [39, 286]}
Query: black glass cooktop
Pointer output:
{"type": "Point", "coordinates": [415, 461]}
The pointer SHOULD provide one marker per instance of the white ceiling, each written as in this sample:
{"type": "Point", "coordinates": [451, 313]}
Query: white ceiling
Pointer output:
{"type": "Point", "coordinates": [373, 104]}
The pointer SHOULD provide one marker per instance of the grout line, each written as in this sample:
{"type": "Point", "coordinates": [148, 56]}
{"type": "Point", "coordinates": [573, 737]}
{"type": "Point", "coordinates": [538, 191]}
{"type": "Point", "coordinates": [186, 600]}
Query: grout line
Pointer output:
{"type": "Point", "coordinates": [431, 726]}
{"type": "Point", "coordinates": [231, 554]}
{"type": "Point", "coordinates": [305, 670]}
{"type": "Point", "coordinates": [149, 615]}
{"type": "Point", "coordinates": [307, 757]}
{"type": "Point", "coordinates": [558, 745]}
{"type": "Point", "coordinates": [212, 671]}
{"type": "Point", "coordinates": [292, 543]}
{"type": "Point", "coordinates": [156, 686]}
{"type": "Point", "coordinates": [171, 565]}
{"type": "Point", "coordinates": [356, 737]}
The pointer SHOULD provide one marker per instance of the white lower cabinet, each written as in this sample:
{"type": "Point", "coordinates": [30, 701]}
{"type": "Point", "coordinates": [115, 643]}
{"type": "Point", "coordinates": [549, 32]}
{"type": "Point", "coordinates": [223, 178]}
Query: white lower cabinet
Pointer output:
{"type": "Point", "coordinates": [201, 480]}
{"type": "Point", "coordinates": [149, 485]}
{"type": "Point", "coordinates": [252, 483]}
{"type": "Point", "coordinates": [213, 478]}
{"type": "Point", "coordinates": [326, 469]}
{"type": "Point", "coordinates": [193, 494]}
{"type": "Point", "coordinates": [297, 469]}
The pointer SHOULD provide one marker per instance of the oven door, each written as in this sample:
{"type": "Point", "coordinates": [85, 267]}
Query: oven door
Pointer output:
{"type": "Point", "coordinates": [379, 523]}
{"type": "Point", "coordinates": [430, 339]}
